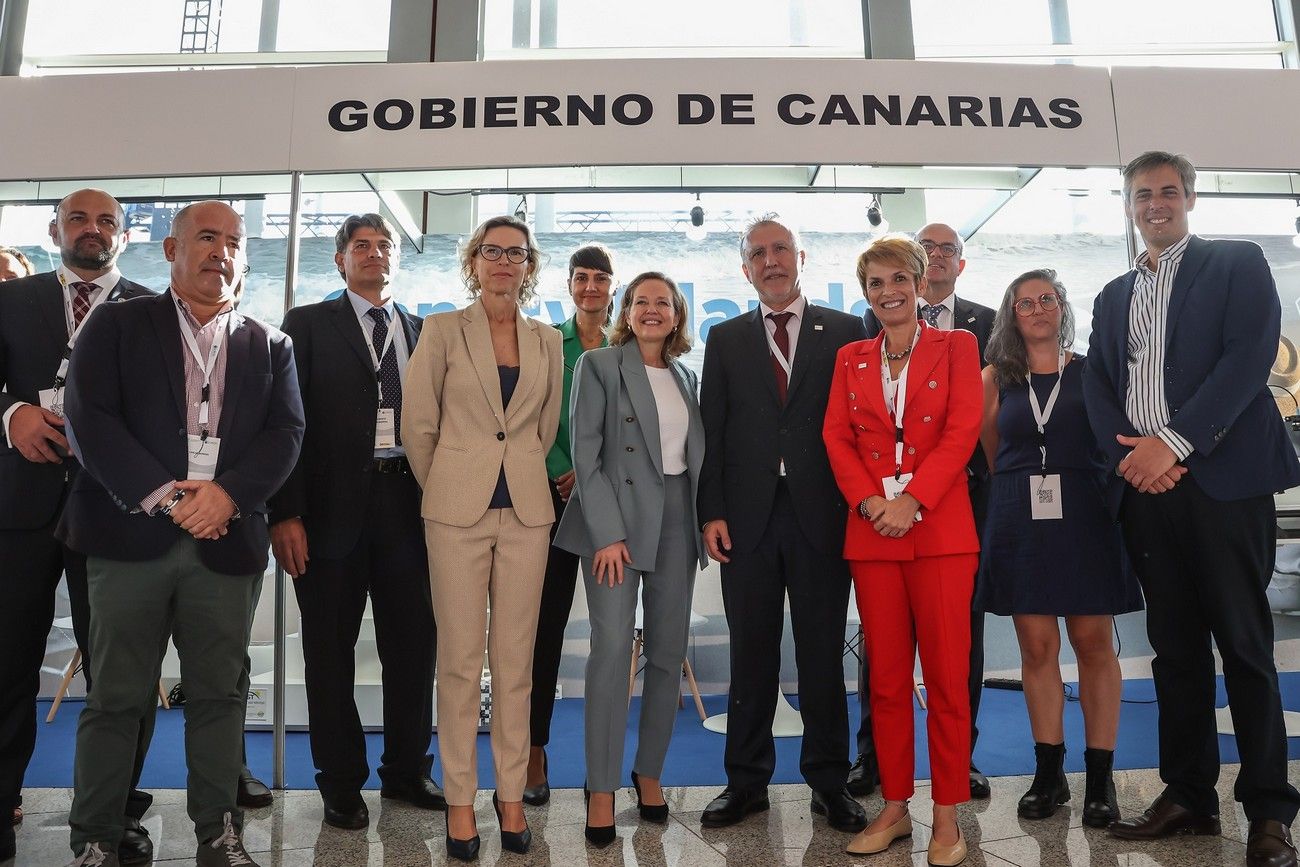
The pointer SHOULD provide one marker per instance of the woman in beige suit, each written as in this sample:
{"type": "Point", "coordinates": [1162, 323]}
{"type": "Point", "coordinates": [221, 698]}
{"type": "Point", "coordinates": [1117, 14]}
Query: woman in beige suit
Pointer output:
{"type": "Point", "coordinates": [482, 404]}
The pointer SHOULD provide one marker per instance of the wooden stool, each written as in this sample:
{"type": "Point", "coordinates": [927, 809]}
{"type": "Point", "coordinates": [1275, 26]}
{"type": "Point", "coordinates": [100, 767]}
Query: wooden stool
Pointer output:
{"type": "Point", "coordinates": [74, 665]}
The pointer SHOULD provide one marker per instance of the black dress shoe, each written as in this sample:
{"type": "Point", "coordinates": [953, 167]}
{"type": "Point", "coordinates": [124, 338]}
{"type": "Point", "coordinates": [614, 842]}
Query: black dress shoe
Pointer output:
{"type": "Point", "coordinates": [864, 776]}
{"type": "Point", "coordinates": [979, 784]}
{"type": "Point", "coordinates": [1270, 845]}
{"type": "Point", "coordinates": [350, 814]}
{"type": "Point", "coordinates": [657, 813]}
{"type": "Point", "coordinates": [1163, 819]}
{"type": "Point", "coordinates": [733, 805]}
{"type": "Point", "coordinates": [420, 792]}
{"type": "Point", "coordinates": [252, 792]}
{"type": "Point", "coordinates": [136, 847]}
{"type": "Point", "coordinates": [513, 841]}
{"type": "Point", "coordinates": [841, 811]}
{"type": "Point", "coordinates": [599, 836]}
{"type": "Point", "coordinates": [538, 795]}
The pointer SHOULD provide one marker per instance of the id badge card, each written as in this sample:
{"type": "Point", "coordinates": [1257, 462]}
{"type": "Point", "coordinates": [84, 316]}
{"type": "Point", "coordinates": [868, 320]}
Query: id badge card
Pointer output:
{"type": "Point", "coordinates": [893, 487]}
{"type": "Point", "coordinates": [1045, 497]}
{"type": "Point", "coordinates": [203, 458]}
{"type": "Point", "coordinates": [386, 429]}
{"type": "Point", "coordinates": [51, 400]}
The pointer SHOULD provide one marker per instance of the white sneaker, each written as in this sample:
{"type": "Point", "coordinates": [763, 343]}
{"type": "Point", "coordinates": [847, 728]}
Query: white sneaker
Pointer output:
{"type": "Point", "coordinates": [224, 851]}
{"type": "Point", "coordinates": [94, 856]}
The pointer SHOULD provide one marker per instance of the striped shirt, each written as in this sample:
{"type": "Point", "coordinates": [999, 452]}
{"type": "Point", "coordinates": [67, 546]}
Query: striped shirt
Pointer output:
{"type": "Point", "coordinates": [1145, 403]}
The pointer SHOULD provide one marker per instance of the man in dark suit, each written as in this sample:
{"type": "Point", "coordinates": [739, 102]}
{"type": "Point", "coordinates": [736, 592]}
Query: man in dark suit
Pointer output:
{"type": "Point", "coordinates": [40, 320]}
{"type": "Point", "coordinates": [347, 525]}
{"type": "Point", "coordinates": [941, 308]}
{"type": "Point", "coordinates": [185, 416]}
{"type": "Point", "coordinates": [1177, 394]}
{"type": "Point", "coordinates": [774, 518]}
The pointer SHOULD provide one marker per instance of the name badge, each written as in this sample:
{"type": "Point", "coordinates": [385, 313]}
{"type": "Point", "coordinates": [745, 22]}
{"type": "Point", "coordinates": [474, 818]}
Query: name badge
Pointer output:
{"type": "Point", "coordinates": [203, 458]}
{"type": "Point", "coordinates": [386, 429]}
{"type": "Point", "coordinates": [1045, 497]}
{"type": "Point", "coordinates": [893, 488]}
{"type": "Point", "coordinates": [51, 400]}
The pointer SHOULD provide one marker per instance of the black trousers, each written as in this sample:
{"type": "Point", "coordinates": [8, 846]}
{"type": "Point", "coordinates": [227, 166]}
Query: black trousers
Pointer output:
{"type": "Point", "coordinates": [31, 562]}
{"type": "Point", "coordinates": [755, 585]}
{"type": "Point", "coordinates": [557, 601]}
{"type": "Point", "coordinates": [979, 498]}
{"type": "Point", "coordinates": [390, 565]}
{"type": "Point", "coordinates": [1204, 566]}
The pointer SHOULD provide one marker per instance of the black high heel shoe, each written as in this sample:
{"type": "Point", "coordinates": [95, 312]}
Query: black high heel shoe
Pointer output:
{"type": "Point", "coordinates": [537, 796]}
{"type": "Point", "coordinates": [657, 813]}
{"type": "Point", "coordinates": [598, 836]}
{"type": "Point", "coordinates": [513, 841]}
{"type": "Point", "coordinates": [461, 850]}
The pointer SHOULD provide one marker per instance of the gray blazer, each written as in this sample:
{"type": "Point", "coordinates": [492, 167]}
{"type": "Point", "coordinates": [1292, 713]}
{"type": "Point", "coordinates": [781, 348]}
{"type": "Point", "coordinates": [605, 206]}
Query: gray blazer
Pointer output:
{"type": "Point", "coordinates": [618, 491]}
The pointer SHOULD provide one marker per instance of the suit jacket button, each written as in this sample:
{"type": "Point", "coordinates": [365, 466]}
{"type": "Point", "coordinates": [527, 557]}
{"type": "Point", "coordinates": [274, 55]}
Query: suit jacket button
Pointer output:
{"type": "Point", "coordinates": [875, 456]}
{"type": "Point", "coordinates": [500, 435]}
{"type": "Point", "coordinates": [630, 449]}
{"type": "Point", "coordinates": [852, 396]}
{"type": "Point", "coordinates": [911, 450]}
{"type": "Point", "coordinates": [629, 419]}
{"type": "Point", "coordinates": [862, 427]}
{"type": "Point", "coordinates": [933, 384]}
{"type": "Point", "coordinates": [927, 418]}
{"type": "Point", "coordinates": [629, 481]}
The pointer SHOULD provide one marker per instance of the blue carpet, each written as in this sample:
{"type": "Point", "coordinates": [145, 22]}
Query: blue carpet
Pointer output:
{"type": "Point", "coordinates": [695, 758]}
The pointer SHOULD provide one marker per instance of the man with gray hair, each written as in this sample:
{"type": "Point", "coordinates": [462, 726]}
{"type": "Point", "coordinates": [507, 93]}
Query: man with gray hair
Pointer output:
{"type": "Point", "coordinates": [185, 416]}
{"type": "Point", "coordinates": [347, 526]}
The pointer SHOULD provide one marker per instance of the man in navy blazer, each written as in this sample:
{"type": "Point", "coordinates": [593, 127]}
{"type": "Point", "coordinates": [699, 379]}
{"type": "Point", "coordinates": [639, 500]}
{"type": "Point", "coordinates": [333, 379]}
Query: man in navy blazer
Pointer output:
{"type": "Point", "coordinates": [941, 308]}
{"type": "Point", "coordinates": [186, 416]}
{"type": "Point", "coordinates": [1176, 387]}
{"type": "Point", "coordinates": [347, 526]}
{"type": "Point", "coordinates": [40, 317]}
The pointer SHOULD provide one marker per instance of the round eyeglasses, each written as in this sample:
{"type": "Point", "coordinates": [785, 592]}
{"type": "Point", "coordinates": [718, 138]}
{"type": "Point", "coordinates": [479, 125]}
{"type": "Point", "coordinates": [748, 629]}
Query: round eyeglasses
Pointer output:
{"type": "Point", "coordinates": [1028, 306]}
{"type": "Point", "coordinates": [945, 251]}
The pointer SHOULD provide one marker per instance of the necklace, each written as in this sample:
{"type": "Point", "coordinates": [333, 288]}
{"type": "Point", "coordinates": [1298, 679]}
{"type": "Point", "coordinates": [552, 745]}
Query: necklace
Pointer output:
{"type": "Point", "coordinates": [898, 356]}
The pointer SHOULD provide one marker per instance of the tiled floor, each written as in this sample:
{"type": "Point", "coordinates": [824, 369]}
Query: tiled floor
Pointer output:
{"type": "Point", "coordinates": [290, 833]}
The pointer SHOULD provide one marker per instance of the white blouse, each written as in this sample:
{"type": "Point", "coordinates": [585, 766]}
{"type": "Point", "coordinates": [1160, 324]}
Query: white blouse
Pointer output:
{"type": "Point", "coordinates": [673, 419]}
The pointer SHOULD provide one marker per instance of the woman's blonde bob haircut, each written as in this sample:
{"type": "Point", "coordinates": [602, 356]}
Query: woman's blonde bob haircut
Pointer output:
{"type": "Point", "coordinates": [898, 250]}
{"type": "Point", "coordinates": [679, 342]}
{"type": "Point", "coordinates": [470, 248]}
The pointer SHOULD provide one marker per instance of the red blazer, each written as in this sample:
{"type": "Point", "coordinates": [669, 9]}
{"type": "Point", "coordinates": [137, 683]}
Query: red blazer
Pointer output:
{"type": "Point", "coordinates": [941, 422]}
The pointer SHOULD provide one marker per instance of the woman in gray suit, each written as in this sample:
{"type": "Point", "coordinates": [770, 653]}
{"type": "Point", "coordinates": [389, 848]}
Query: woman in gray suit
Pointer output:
{"type": "Point", "coordinates": [638, 443]}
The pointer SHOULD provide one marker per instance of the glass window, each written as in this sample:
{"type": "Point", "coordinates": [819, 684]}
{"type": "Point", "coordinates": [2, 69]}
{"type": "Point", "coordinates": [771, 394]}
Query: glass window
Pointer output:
{"type": "Point", "coordinates": [333, 25]}
{"type": "Point", "coordinates": [148, 27]}
{"type": "Point", "coordinates": [996, 22]}
{"type": "Point", "coordinates": [1112, 21]}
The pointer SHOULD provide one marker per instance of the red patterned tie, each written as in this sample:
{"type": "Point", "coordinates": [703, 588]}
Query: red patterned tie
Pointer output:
{"type": "Point", "coordinates": [782, 340]}
{"type": "Point", "coordinates": [81, 301]}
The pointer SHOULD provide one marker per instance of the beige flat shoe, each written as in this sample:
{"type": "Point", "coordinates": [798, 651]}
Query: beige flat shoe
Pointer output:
{"type": "Point", "coordinates": [947, 856]}
{"type": "Point", "coordinates": [871, 843]}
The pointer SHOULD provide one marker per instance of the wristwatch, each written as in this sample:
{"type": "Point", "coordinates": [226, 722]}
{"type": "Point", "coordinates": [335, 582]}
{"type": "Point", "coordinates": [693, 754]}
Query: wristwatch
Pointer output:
{"type": "Point", "coordinates": [166, 508]}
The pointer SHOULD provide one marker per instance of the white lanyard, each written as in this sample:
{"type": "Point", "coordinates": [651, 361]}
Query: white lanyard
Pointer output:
{"type": "Point", "coordinates": [193, 344]}
{"type": "Point", "coordinates": [895, 392]}
{"type": "Point", "coordinates": [378, 360]}
{"type": "Point", "coordinates": [1043, 416]}
{"type": "Point", "coordinates": [776, 350]}
{"type": "Point", "coordinates": [69, 318]}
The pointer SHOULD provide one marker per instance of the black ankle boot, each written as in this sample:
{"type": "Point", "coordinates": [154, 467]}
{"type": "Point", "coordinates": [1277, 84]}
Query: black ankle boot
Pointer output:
{"type": "Point", "coordinates": [1049, 789]}
{"type": "Point", "coordinates": [1100, 807]}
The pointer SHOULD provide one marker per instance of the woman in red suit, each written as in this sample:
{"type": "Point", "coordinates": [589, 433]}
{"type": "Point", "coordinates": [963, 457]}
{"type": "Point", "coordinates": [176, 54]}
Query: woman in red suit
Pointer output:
{"type": "Point", "coordinates": [903, 417]}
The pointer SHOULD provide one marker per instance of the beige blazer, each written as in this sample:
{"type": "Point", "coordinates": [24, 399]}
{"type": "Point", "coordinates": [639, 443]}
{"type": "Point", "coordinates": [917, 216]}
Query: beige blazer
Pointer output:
{"type": "Point", "coordinates": [457, 435]}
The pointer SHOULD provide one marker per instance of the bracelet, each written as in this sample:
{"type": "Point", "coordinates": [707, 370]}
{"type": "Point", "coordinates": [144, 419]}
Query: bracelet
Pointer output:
{"type": "Point", "coordinates": [166, 508]}
{"type": "Point", "coordinates": [862, 510]}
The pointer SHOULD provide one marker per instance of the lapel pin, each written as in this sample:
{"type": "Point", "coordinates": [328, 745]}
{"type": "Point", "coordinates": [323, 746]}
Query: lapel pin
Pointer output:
{"type": "Point", "coordinates": [817, 328]}
{"type": "Point", "coordinates": [862, 365]}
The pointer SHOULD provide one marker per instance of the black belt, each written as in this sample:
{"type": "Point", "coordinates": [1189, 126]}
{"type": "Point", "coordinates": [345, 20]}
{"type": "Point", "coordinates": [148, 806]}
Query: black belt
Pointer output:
{"type": "Point", "coordinates": [398, 465]}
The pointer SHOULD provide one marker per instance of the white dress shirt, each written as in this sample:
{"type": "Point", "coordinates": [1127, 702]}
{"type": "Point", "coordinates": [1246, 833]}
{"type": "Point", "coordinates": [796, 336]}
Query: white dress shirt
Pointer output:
{"type": "Point", "coordinates": [947, 312]}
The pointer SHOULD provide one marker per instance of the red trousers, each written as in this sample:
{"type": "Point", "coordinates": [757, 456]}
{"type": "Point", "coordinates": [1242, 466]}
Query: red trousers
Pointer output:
{"type": "Point", "coordinates": [905, 606]}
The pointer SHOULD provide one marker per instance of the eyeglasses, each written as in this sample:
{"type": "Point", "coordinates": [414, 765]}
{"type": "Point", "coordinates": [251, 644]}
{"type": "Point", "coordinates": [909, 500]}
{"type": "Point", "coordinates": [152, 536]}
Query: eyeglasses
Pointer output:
{"type": "Point", "coordinates": [1028, 306]}
{"type": "Point", "coordinates": [945, 251]}
{"type": "Point", "coordinates": [491, 252]}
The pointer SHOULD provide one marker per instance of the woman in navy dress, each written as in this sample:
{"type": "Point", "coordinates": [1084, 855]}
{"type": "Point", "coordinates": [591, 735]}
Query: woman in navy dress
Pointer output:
{"type": "Point", "coordinates": [1050, 547]}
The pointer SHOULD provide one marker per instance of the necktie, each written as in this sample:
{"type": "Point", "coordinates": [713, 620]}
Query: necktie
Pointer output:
{"type": "Point", "coordinates": [931, 314]}
{"type": "Point", "coordinates": [390, 383]}
{"type": "Point", "coordinates": [782, 340]}
{"type": "Point", "coordinates": [81, 301]}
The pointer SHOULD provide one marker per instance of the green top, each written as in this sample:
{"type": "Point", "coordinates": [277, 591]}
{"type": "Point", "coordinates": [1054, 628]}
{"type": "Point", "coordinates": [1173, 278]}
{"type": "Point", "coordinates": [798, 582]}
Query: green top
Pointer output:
{"type": "Point", "coordinates": [559, 461]}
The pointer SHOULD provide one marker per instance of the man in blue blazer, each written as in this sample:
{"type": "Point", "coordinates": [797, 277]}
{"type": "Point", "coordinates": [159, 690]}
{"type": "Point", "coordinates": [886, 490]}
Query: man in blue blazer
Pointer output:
{"type": "Point", "coordinates": [41, 316]}
{"type": "Point", "coordinates": [185, 416]}
{"type": "Point", "coordinates": [1176, 387]}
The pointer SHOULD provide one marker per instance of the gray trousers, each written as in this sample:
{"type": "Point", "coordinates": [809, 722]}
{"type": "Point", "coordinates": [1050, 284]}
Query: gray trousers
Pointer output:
{"type": "Point", "coordinates": [134, 608]}
{"type": "Point", "coordinates": [667, 618]}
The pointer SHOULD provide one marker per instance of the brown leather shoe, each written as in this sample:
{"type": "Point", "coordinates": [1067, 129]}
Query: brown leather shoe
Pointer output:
{"type": "Point", "coordinates": [1269, 845]}
{"type": "Point", "coordinates": [1164, 818]}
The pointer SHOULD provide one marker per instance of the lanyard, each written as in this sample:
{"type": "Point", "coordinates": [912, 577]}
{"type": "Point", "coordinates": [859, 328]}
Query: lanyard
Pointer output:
{"type": "Point", "coordinates": [378, 360]}
{"type": "Point", "coordinates": [895, 392]}
{"type": "Point", "coordinates": [776, 351]}
{"type": "Point", "coordinates": [188, 335]}
{"type": "Point", "coordinates": [61, 377]}
{"type": "Point", "coordinates": [1043, 416]}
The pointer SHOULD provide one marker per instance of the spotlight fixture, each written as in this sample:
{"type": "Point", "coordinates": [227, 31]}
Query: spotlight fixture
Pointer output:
{"type": "Point", "coordinates": [876, 216]}
{"type": "Point", "coordinates": [696, 231]}
{"type": "Point", "coordinates": [521, 209]}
